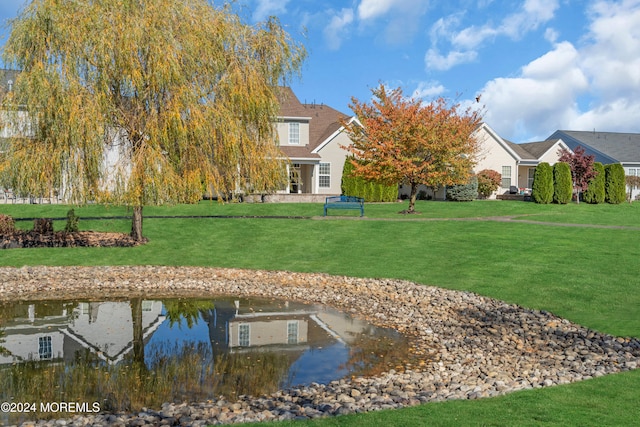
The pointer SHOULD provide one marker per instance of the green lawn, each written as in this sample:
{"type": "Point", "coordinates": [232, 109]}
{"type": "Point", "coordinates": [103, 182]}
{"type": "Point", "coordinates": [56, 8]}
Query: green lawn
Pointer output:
{"type": "Point", "coordinates": [589, 275]}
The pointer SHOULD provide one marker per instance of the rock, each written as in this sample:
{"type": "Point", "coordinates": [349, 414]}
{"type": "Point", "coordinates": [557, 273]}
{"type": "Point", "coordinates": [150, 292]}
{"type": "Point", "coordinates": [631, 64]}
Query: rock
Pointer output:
{"type": "Point", "coordinates": [462, 346]}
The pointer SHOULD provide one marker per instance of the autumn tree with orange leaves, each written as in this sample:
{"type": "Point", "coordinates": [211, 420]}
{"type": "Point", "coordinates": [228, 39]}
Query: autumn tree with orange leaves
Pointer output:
{"type": "Point", "coordinates": [408, 141]}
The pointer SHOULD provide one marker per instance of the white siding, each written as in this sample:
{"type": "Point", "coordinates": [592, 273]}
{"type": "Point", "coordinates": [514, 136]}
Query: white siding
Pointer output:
{"type": "Point", "coordinates": [335, 155]}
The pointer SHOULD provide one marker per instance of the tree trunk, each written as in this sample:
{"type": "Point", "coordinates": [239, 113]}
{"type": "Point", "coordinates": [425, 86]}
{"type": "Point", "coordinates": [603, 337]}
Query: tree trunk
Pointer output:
{"type": "Point", "coordinates": [138, 362]}
{"type": "Point", "coordinates": [136, 224]}
{"type": "Point", "coordinates": [412, 198]}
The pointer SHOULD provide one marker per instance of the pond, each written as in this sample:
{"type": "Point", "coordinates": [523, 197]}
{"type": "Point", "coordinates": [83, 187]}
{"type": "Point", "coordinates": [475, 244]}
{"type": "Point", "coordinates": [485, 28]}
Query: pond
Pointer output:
{"type": "Point", "coordinates": [129, 354]}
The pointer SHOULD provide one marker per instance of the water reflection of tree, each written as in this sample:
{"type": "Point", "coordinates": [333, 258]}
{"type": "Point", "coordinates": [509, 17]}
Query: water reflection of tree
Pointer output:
{"type": "Point", "coordinates": [3, 350]}
{"type": "Point", "coordinates": [182, 372]}
{"type": "Point", "coordinates": [373, 354]}
{"type": "Point", "coordinates": [177, 310]}
{"type": "Point", "coordinates": [148, 376]}
{"type": "Point", "coordinates": [172, 371]}
{"type": "Point", "coordinates": [188, 310]}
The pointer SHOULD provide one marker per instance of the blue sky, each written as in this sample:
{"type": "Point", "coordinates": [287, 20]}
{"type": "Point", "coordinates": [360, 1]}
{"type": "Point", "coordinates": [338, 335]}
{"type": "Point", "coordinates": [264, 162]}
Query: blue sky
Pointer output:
{"type": "Point", "coordinates": [539, 65]}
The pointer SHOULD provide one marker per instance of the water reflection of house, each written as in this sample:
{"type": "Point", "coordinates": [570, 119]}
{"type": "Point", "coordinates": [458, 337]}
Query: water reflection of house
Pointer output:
{"type": "Point", "coordinates": [266, 325]}
{"type": "Point", "coordinates": [55, 331]}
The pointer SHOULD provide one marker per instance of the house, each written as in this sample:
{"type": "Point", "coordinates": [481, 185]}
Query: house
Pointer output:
{"type": "Point", "coordinates": [607, 148]}
{"type": "Point", "coordinates": [312, 137]}
{"type": "Point", "coordinates": [57, 331]}
{"type": "Point", "coordinates": [7, 82]}
{"type": "Point", "coordinates": [515, 162]}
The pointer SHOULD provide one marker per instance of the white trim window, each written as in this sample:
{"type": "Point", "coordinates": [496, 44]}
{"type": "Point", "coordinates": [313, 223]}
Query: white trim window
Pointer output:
{"type": "Point", "coordinates": [44, 348]}
{"type": "Point", "coordinates": [244, 335]}
{"type": "Point", "coordinates": [294, 133]}
{"type": "Point", "coordinates": [324, 175]}
{"type": "Point", "coordinates": [506, 177]}
{"type": "Point", "coordinates": [292, 332]}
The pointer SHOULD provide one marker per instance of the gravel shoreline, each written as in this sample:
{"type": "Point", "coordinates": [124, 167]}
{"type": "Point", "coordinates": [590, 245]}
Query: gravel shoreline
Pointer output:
{"type": "Point", "coordinates": [471, 346]}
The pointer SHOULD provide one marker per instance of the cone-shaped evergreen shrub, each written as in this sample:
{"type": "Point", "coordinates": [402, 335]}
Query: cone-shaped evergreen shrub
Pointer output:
{"type": "Point", "coordinates": [369, 190]}
{"type": "Point", "coordinates": [542, 188]}
{"type": "Point", "coordinates": [562, 183]}
{"type": "Point", "coordinates": [72, 222]}
{"type": "Point", "coordinates": [595, 192]}
{"type": "Point", "coordinates": [615, 186]}
{"type": "Point", "coordinates": [464, 192]}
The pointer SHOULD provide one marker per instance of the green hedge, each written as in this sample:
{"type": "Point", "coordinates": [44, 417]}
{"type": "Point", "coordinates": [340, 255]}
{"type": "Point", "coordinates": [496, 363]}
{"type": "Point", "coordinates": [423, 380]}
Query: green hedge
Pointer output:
{"type": "Point", "coordinates": [542, 188]}
{"type": "Point", "coordinates": [595, 193]}
{"type": "Point", "coordinates": [615, 186]}
{"type": "Point", "coordinates": [562, 183]}
{"type": "Point", "coordinates": [369, 190]}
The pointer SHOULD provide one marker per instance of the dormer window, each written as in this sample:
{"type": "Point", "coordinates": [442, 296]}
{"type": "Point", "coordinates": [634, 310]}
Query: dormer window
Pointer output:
{"type": "Point", "coordinates": [294, 133]}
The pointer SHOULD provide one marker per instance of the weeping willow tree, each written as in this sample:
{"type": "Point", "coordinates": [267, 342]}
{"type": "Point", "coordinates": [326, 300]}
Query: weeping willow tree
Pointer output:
{"type": "Point", "coordinates": [144, 102]}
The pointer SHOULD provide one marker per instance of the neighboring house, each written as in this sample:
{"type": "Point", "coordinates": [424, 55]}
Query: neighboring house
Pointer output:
{"type": "Point", "coordinates": [53, 332]}
{"type": "Point", "coordinates": [607, 148]}
{"type": "Point", "coordinates": [7, 82]}
{"type": "Point", "coordinates": [312, 137]}
{"type": "Point", "coordinates": [515, 162]}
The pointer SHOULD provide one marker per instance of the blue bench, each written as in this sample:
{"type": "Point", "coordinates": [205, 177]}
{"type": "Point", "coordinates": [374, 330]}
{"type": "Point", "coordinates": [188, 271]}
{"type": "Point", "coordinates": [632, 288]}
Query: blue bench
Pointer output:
{"type": "Point", "coordinates": [344, 202]}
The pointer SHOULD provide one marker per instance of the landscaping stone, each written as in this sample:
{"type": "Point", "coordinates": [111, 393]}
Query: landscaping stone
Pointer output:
{"type": "Point", "coordinates": [463, 346]}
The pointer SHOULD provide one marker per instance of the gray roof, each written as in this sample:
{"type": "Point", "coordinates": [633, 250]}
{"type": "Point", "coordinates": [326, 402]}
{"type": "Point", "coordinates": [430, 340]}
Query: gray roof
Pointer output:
{"type": "Point", "coordinates": [608, 147]}
{"type": "Point", "coordinates": [531, 150]}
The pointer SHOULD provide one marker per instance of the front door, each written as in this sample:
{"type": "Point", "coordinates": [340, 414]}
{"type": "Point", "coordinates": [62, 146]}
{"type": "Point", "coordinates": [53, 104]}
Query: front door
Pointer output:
{"type": "Point", "coordinates": [295, 182]}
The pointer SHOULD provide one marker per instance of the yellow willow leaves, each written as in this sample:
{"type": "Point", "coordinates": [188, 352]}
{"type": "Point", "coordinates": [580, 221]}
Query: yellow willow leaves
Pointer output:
{"type": "Point", "coordinates": [183, 91]}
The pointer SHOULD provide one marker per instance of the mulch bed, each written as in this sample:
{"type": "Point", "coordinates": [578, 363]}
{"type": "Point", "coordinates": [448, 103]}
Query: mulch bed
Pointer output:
{"type": "Point", "coordinates": [61, 239]}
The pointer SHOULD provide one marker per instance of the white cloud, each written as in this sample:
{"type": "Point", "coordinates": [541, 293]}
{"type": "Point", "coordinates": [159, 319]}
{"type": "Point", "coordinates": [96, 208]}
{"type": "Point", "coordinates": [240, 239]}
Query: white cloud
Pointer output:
{"type": "Point", "coordinates": [428, 90]}
{"type": "Point", "coordinates": [472, 37]}
{"type": "Point", "coordinates": [464, 43]}
{"type": "Point", "coordinates": [551, 35]}
{"type": "Point", "coordinates": [371, 9]}
{"type": "Point", "coordinates": [534, 13]}
{"type": "Point", "coordinates": [434, 60]}
{"type": "Point", "coordinates": [401, 18]}
{"type": "Point", "coordinates": [540, 100]}
{"type": "Point", "coordinates": [613, 56]}
{"type": "Point", "coordinates": [266, 8]}
{"type": "Point", "coordinates": [593, 86]}
{"type": "Point", "coordinates": [620, 115]}
{"type": "Point", "coordinates": [337, 29]}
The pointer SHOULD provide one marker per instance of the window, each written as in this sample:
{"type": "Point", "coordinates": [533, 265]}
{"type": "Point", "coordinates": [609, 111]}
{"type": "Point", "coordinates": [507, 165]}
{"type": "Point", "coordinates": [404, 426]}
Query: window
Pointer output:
{"type": "Point", "coordinates": [632, 172]}
{"type": "Point", "coordinates": [44, 347]}
{"type": "Point", "coordinates": [244, 331]}
{"type": "Point", "coordinates": [506, 177]}
{"type": "Point", "coordinates": [294, 133]}
{"type": "Point", "coordinates": [85, 308]}
{"type": "Point", "coordinates": [292, 332]}
{"type": "Point", "coordinates": [324, 175]}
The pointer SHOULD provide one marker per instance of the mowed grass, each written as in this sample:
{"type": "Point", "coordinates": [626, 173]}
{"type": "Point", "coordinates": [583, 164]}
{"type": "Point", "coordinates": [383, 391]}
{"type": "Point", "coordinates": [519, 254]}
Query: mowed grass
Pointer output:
{"type": "Point", "coordinates": [590, 275]}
